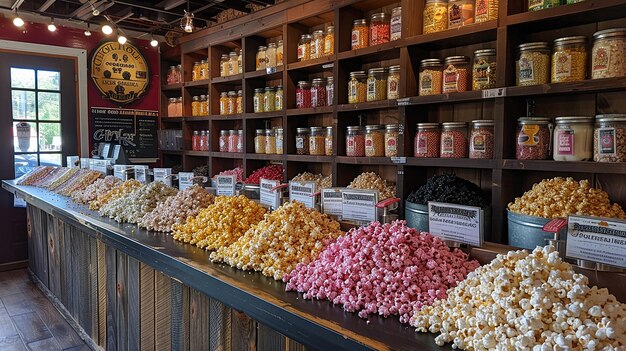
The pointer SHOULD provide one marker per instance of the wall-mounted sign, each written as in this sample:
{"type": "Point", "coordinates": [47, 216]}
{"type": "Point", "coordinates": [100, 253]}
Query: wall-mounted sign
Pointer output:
{"type": "Point", "coordinates": [135, 130]}
{"type": "Point", "coordinates": [120, 72]}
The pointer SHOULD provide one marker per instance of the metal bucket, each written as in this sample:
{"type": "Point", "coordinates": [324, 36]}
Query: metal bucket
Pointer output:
{"type": "Point", "coordinates": [417, 217]}
{"type": "Point", "coordinates": [527, 231]}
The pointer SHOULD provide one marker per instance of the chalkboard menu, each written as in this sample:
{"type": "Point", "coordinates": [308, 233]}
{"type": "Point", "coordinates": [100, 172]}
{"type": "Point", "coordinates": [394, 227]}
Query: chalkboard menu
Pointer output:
{"type": "Point", "coordinates": [137, 130]}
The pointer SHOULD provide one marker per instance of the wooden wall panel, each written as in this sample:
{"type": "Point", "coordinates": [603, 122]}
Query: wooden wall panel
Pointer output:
{"type": "Point", "coordinates": [243, 330]}
{"type": "Point", "coordinates": [146, 307]}
{"type": "Point", "coordinates": [102, 294]}
{"type": "Point", "coordinates": [93, 289]}
{"type": "Point", "coordinates": [121, 301]}
{"type": "Point", "coordinates": [163, 312]}
{"type": "Point", "coordinates": [55, 228]}
{"type": "Point", "coordinates": [179, 316]}
{"type": "Point", "coordinates": [111, 325]}
{"type": "Point", "coordinates": [219, 327]}
{"type": "Point", "coordinates": [198, 321]}
{"type": "Point", "coordinates": [269, 339]}
{"type": "Point", "coordinates": [133, 298]}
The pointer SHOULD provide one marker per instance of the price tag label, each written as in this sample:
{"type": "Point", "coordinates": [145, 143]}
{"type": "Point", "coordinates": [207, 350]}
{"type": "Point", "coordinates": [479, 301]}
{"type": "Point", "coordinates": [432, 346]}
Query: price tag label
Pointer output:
{"type": "Point", "coordinates": [116, 151]}
{"type": "Point", "coordinates": [105, 150]}
{"type": "Point", "coordinates": [270, 70]}
{"type": "Point", "coordinates": [332, 202]}
{"type": "Point", "coordinates": [163, 175]}
{"type": "Point", "coordinates": [458, 223]}
{"type": "Point", "coordinates": [226, 185]}
{"type": "Point", "coordinates": [184, 180]}
{"type": "Point", "coordinates": [398, 160]}
{"type": "Point", "coordinates": [141, 174]}
{"type": "Point", "coordinates": [268, 197]}
{"type": "Point", "coordinates": [494, 93]}
{"type": "Point", "coordinates": [119, 171]}
{"type": "Point", "coordinates": [359, 205]}
{"type": "Point", "coordinates": [600, 240]}
{"type": "Point", "coordinates": [328, 65]}
{"type": "Point", "coordinates": [99, 166]}
{"type": "Point", "coordinates": [403, 101]}
{"type": "Point", "coordinates": [84, 163]}
{"type": "Point", "coordinates": [72, 161]}
{"type": "Point", "coordinates": [303, 192]}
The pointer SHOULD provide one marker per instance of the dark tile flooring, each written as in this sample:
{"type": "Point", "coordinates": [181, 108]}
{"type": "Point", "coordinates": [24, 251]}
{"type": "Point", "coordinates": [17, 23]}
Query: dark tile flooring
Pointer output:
{"type": "Point", "coordinates": [28, 321]}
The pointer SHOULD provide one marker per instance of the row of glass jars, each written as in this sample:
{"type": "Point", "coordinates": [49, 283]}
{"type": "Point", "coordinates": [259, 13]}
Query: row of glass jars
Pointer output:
{"type": "Point", "coordinates": [372, 140]}
{"type": "Point", "coordinates": [382, 28]}
{"type": "Point", "coordinates": [316, 141]}
{"type": "Point", "coordinates": [231, 102]}
{"type": "Point", "coordinates": [535, 5]}
{"type": "Point", "coordinates": [174, 75]}
{"type": "Point", "coordinates": [199, 105]}
{"type": "Point", "coordinates": [440, 15]}
{"type": "Point", "coordinates": [268, 99]}
{"type": "Point", "coordinates": [456, 74]}
{"type": "Point", "coordinates": [231, 64]}
{"type": "Point", "coordinates": [200, 70]}
{"type": "Point", "coordinates": [200, 140]}
{"type": "Point", "coordinates": [269, 56]}
{"type": "Point", "coordinates": [451, 140]}
{"type": "Point", "coordinates": [377, 84]}
{"type": "Point", "coordinates": [175, 107]}
{"type": "Point", "coordinates": [316, 45]}
{"type": "Point", "coordinates": [269, 141]}
{"type": "Point", "coordinates": [318, 94]}
{"type": "Point", "coordinates": [231, 141]}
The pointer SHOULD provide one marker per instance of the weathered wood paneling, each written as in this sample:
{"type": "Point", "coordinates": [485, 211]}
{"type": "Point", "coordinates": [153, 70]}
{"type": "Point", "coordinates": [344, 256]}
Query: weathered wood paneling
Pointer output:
{"type": "Point", "coordinates": [146, 307]}
{"type": "Point", "coordinates": [102, 294]}
{"type": "Point", "coordinates": [132, 288]}
{"type": "Point", "coordinates": [54, 228]}
{"type": "Point", "coordinates": [219, 327]}
{"type": "Point", "coordinates": [243, 330]}
{"type": "Point", "coordinates": [121, 302]}
{"type": "Point", "coordinates": [198, 321]}
{"type": "Point", "coordinates": [38, 244]}
{"type": "Point", "coordinates": [180, 316]}
{"type": "Point", "coordinates": [111, 323]}
{"type": "Point", "coordinates": [269, 340]}
{"type": "Point", "coordinates": [163, 312]}
{"type": "Point", "coordinates": [93, 288]}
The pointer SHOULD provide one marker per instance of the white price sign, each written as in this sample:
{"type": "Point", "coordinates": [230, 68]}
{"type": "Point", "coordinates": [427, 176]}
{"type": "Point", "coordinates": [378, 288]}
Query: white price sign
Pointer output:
{"type": "Point", "coordinates": [72, 161]}
{"type": "Point", "coordinates": [84, 163]}
{"type": "Point", "coordinates": [458, 223]}
{"type": "Point", "coordinates": [185, 180]}
{"type": "Point", "coordinates": [141, 174]}
{"type": "Point", "coordinates": [116, 152]}
{"type": "Point", "coordinates": [600, 240]}
{"type": "Point", "coordinates": [332, 202]}
{"type": "Point", "coordinates": [163, 175]}
{"type": "Point", "coordinates": [99, 166]}
{"type": "Point", "coordinates": [359, 205]}
{"type": "Point", "coordinates": [268, 197]}
{"type": "Point", "coordinates": [226, 185]}
{"type": "Point", "coordinates": [494, 93]}
{"type": "Point", "coordinates": [303, 192]}
{"type": "Point", "coordinates": [119, 171]}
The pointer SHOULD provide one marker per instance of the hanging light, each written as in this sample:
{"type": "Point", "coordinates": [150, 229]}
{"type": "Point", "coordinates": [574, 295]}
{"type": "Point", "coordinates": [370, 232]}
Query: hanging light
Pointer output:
{"type": "Point", "coordinates": [94, 10]}
{"type": "Point", "coordinates": [51, 26]}
{"type": "Point", "coordinates": [87, 31]}
{"type": "Point", "coordinates": [154, 43]}
{"type": "Point", "coordinates": [186, 23]}
{"type": "Point", "coordinates": [17, 20]}
{"type": "Point", "coordinates": [121, 38]}
{"type": "Point", "coordinates": [106, 29]}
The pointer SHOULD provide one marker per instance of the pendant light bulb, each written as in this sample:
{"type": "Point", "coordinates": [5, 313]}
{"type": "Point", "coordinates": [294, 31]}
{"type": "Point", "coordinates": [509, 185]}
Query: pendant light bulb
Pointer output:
{"type": "Point", "coordinates": [154, 43]}
{"type": "Point", "coordinates": [87, 31]}
{"type": "Point", "coordinates": [122, 39]}
{"type": "Point", "coordinates": [52, 27]}
{"type": "Point", "coordinates": [94, 11]}
{"type": "Point", "coordinates": [186, 23]}
{"type": "Point", "coordinates": [106, 29]}
{"type": "Point", "coordinates": [18, 21]}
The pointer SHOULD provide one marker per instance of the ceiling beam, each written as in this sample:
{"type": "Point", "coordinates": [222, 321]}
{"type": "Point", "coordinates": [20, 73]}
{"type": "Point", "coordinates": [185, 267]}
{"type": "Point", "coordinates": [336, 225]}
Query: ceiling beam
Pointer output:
{"type": "Point", "coordinates": [46, 5]}
{"type": "Point", "coordinates": [16, 4]}
{"type": "Point", "coordinates": [170, 4]}
{"type": "Point", "coordinates": [100, 6]}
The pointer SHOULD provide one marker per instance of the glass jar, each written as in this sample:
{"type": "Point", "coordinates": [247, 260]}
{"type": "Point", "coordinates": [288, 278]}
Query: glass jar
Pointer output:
{"type": "Point", "coordinates": [303, 94]}
{"type": "Point", "coordinates": [330, 91]}
{"type": "Point", "coordinates": [195, 141]}
{"type": "Point", "coordinates": [329, 41]}
{"type": "Point", "coordinates": [224, 139]}
{"type": "Point", "coordinates": [357, 87]}
{"type": "Point", "coordinates": [569, 59]}
{"type": "Point", "coordinates": [257, 100]}
{"type": "Point", "coordinates": [233, 64]}
{"type": "Point", "coordinates": [608, 56]}
{"type": "Point", "coordinates": [484, 69]}
{"type": "Point", "coordinates": [573, 139]}
{"type": "Point", "coordinates": [393, 83]}
{"type": "Point", "coordinates": [533, 64]}
{"type": "Point", "coordinates": [318, 93]}
{"type": "Point", "coordinates": [279, 141]}
{"type": "Point", "coordinates": [179, 73]}
{"type": "Point", "coordinates": [204, 141]}
{"type": "Point", "coordinates": [195, 71]}
{"type": "Point", "coordinates": [171, 75]}
{"type": "Point", "coordinates": [259, 141]}
{"type": "Point", "coordinates": [481, 139]}
{"type": "Point", "coordinates": [240, 140]}
{"type": "Point", "coordinates": [195, 106]}
{"type": "Point", "coordinates": [430, 77]}
{"type": "Point", "coordinates": [240, 101]}
{"type": "Point", "coordinates": [380, 28]}
{"type": "Point", "coordinates": [317, 142]}
{"type": "Point", "coordinates": [435, 16]}
{"type": "Point", "coordinates": [304, 47]}
{"type": "Point", "coordinates": [279, 53]}
{"type": "Point", "coordinates": [392, 135]}
{"type": "Point", "coordinates": [377, 84]}
{"type": "Point", "coordinates": [233, 140]}
{"type": "Point", "coordinates": [609, 138]}
{"type": "Point", "coordinates": [269, 99]}
{"type": "Point", "coordinates": [427, 140]}
{"type": "Point", "coordinates": [360, 34]}
{"type": "Point", "coordinates": [280, 99]}
{"type": "Point", "coordinates": [204, 69]}
{"type": "Point", "coordinates": [453, 140]}
{"type": "Point", "coordinates": [355, 141]}
{"type": "Point", "coordinates": [460, 13]}
{"type": "Point", "coordinates": [232, 102]}
{"type": "Point", "coordinates": [374, 141]}
{"type": "Point", "coordinates": [396, 24]}
{"type": "Point", "coordinates": [179, 106]}
{"type": "Point", "coordinates": [204, 105]}
{"type": "Point", "coordinates": [317, 44]}
{"type": "Point", "coordinates": [171, 108]}
{"type": "Point", "coordinates": [302, 141]}
{"type": "Point", "coordinates": [533, 138]}
{"type": "Point", "coordinates": [534, 5]}
{"type": "Point", "coordinates": [328, 141]}
{"type": "Point", "coordinates": [270, 142]}
{"type": "Point", "coordinates": [486, 10]}
{"type": "Point", "coordinates": [223, 103]}
{"type": "Point", "coordinates": [224, 66]}
{"type": "Point", "coordinates": [456, 75]}
{"type": "Point", "coordinates": [270, 55]}
{"type": "Point", "coordinates": [261, 57]}
{"type": "Point", "coordinates": [240, 60]}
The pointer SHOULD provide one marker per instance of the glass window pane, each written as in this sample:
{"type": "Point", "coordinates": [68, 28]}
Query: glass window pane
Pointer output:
{"type": "Point", "coordinates": [25, 137]}
{"type": "Point", "coordinates": [22, 78]}
{"type": "Point", "coordinates": [50, 159]}
{"type": "Point", "coordinates": [49, 105]}
{"type": "Point", "coordinates": [49, 80]}
{"type": "Point", "coordinates": [23, 104]}
{"type": "Point", "coordinates": [49, 136]}
{"type": "Point", "coordinates": [24, 163]}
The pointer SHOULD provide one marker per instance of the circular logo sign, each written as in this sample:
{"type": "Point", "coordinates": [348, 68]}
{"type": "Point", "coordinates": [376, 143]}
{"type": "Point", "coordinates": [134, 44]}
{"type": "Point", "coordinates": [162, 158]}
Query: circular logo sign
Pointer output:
{"type": "Point", "coordinates": [120, 72]}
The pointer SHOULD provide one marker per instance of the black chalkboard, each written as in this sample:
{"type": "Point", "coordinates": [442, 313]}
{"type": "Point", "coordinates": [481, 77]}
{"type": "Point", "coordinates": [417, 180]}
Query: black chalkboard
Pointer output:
{"type": "Point", "coordinates": [136, 128]}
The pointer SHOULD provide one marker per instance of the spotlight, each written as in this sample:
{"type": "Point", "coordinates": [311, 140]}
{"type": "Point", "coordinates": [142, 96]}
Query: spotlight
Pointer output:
{"type": "Point", "coordinates": [186, 23]}
{"type": "Point", "coordinates": [18, 21]}
{"type": "Point", "coordinates": [154, 42]}
{"type": "Point", "coordinates": [122, 39]}
{"type": "Point", "coordinates": [94, 11]}
{"type": "Point", "coordinates": [87, 31]}
{"type": "Point", "coordinates": [106, 29]}
{"type": "Point", "coordinates": [51, 26]}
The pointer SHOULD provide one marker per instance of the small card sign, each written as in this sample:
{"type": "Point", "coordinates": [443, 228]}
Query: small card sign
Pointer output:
{"type": "Point", "coordinates": [119, 171]}
{"type": "Point", "coordinates": [463, 224]}
{"type": "Point", "coordinates": [185, 180]}
{"type": "Point", "coordinates": [268, 197]}
{"type": "Point", "coordinates": [84, 163]}
{"type": "Point", "coordinates": [303, 192]}
{"type": "Point", "coordinates": [106, 149]}
{"type": "Point", "coordinates": [163, 175]}
{"type": "Point", "coordinates": [600, 240]}
{"type": "Point", "coordinates": [328, 65]}
{"type": "Point", "coordinates": [100, 166]}
{"type": "Point", "coordinates": [398, 160]}
{"type": "Point", "coordinates": [141, 174]}
{"type": "Point", "coordinates": [359, 205]}
{"type": "Point", "coordinates": [270, 70]}
{"type": "Point", "coordinates": [332, 202]}
{"type": "Point", "coordinates": [494, 93]}
{"type": "Point", "coordinates": [403, 101]}
{"type": "Point", "coordinates": [226, 185]}
{"type": "Point", "coordinates": [72, 161]}
{"type": "Point", "coordinates": [116, 152]}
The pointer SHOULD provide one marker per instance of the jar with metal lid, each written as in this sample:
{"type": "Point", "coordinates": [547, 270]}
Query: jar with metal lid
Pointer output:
{"type": "Point", "coordinates": [396, 24]}
{"type": "Point", "coordinates": [318, 92]}
{"type": "Point", "coordinates": [435, 16]}
{"type": "Point", "coordinates": [427, 140]}
{"type": "Point", "coordinates": [302, 141]}
{"type": "Point", "coordinates": [179, 106]}
{"type": "Point", "coordinates": [304, 47]}
{"type": "Point", "coordinates": [486, 10]}
{"type": "Point", "coordinates": [195, 71]}
{"type": "Point", "coordinates": [279, 141]}
{"type": "Point", "coordinates": [357, 87]}
{"type": "Point", "coordinates": [303, 94]}
{"type": "Point", "coordinates": [534, 138]}
{"type": "Point", "coordinates": [240, 60]}
{"type": "Point", "coordinates": [609, 138]}
{"type": "Point", "coordinates": [195, 106]}
{"type": "Point", "coordinates": [430, 77]}
{"type": "Point", "coordinates": [317, 141]}
{"type": "Point", "coordinates": [179, 73]}
{"type": "Point", "coordinates": [453, 140]}
{"type": "Point", "coordinates": [232, 102]}
{"type": "Point", "coordinates": [224, 139]}
{"type": "Point", "coordinates": [204, 141]}
{"type": "Point", "coordinates": [240, 101]}
{"type": "Point", "coordinates": [329, 41]}
{"type": "Point", "coordinates": [484, 69]}
{"type": "Point", "coordinates": [279, 53]}
{"type": "Point", "coordinates": [317, 44]}
{"type": "Point", "coordinates": [195, 141]}
{"type": "Point", "coordinates": [223, 103]}
{"type": "Point", "coordinates": [259, 141]}
{"type": "Point", "coordinates": [204, 69]}
{"type": "Point", "coordinates": [171, 75]}
{"type": "Point", "coordinates": [608, 56]}
{"type": "Point", "coordinates": [374, 141]}
{"type": "Point", "coordinates": [533, 64]}
{"type": "Point", "coordinates": [270, 55]}
{"type": "Point", "coordinates": [460, 13]}
{"type": "Point", "coordinates": [392, 135]}
{"type": "Point", "coordinates": [280, 99]}
{"type": "Point", "coordinates": [569, 59]}
{"type": "Point", "coordinates": [260, 58]}
{"type": "Point", "coordinates": [534, 5]}
{"type": "Point", "coordinates": [376, 84]}
{"type": "Point", "coordinates": [233, 63]}
{"type": "Point", "coordinates": [257, 100]}
{"type": "Point", "coordinates": [573, 138]}
{"type": "Point", "coordinates": [269, 99]}
{"type": "Point", "coordinates": [330, 91]}
{"type": "Point", "coordinates": [393, 83]}
{"type": "Point", "coordinates": [224, 66]}
{"type": "Point", "coordinates": [481, 139]}
{"type": "Point", "coordinates": [171, 107]}
{"type": "Point", "coordinates": [355, 141]}
{"type": "Point", "coordinates": [204, 105]}
{"type": "Point", "coordinates": [456, 75]}
{"type": "Point", "coordinates": [328, 141]}
{"type": "Point", "coordinates": [233, 140]}
{"type": "Point", "coordinates": [270, 141]}
{"type": "Point", "coordinates": [240, 140]}
{"type": "Point", "coordinates": [380, 28]}
{"type": "Point", "coordinates": [360, 34]}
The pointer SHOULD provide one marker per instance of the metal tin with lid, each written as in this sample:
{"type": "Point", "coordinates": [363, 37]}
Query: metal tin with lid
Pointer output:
{"type": "Point", "coordinates": [456, 59]}
{"type": "Point", "coordinates": [430, 63]}
{"type": "Point", "coordinates": [539, 45]}
{"type": "Point", "coordinates": [484, 52]}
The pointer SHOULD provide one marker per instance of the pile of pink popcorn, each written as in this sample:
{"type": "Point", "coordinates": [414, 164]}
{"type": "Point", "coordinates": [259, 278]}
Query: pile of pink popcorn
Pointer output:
{"type": "Point", "coordinates": [389, 269]}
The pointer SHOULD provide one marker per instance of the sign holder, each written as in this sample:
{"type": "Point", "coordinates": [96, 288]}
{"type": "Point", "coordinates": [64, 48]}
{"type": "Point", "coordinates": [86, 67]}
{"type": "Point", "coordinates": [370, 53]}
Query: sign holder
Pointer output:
{"type": "Point", "coordinates": [596, 243]}
{"type": "Point", "coordinates": [456, 224]}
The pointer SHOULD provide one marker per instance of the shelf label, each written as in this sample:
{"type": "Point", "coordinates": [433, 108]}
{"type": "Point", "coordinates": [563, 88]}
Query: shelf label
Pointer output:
{"type": "Point", "coordinates": [303, 192]}
{"type": "Point", "coordinates": [494, 93]}
{"type": "Point", "coordinates": [403, 102]}
{"type": "Point", "coordinates": [119, 171]}
{"type": "Point", "coordinates": [99, 166]}
{"type": "Point", "coordinates": [600, 240]}
{"type": "Point", "coordinates": [72, 161]}
{"type": "Point", "coordinates": [268, 197]}
{"type": "Point", "coordinates": [141, 174]}
{"type": "Point", "coordinates": [332, 202]}
{"type": "Point", "coordinates": [84, 163]}
{"type": "Point", "coordinates": [328, 65]}
{"type": "Point", "coordinates": [185, 180]}
{"type": "Point", "coordinates": [398, 160]}
{"type": "Point", "coordinates": [163, 175]}
{"type": "Point", "coordinates": [463, 224]}
{"type": "Point", "coordinates": [270, 70]}
{"type": "Point", "coordinates": [226, 185]}
{"type": "Point", "coordinates": [359, 205]}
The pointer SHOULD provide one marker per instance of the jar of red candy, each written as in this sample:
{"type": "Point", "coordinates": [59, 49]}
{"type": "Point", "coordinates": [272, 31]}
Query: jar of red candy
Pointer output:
{"type": "Point", "coordinates": [240, 140]}
{"type": "Point", "coordinates": [203, 144]}
{"type": "Point", "coordinates": [481, 139]}
{"type": "Point", "coordinates": [533, 138]}
{"type": "Point", "coordinates": [355, 141]}
{"type": "Point", "coordinates": [195, 141]}
{"type": "Point", "coordinates": [380, 28]}
{"type": "Point", "coordinates": [427, 140]}
{"type": "Point", "coordinates": [224, 136]}
{"type": "Point", "coordinates": [233, 140]}
{"type": "Point", "coordinates": [318, 93]}
{"type": "Point", "coordinates": [303, 94]}
{"type": "Point", "coordinates": [453, 140]}
{"type": "Point", "coordinates": [456, 74]}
